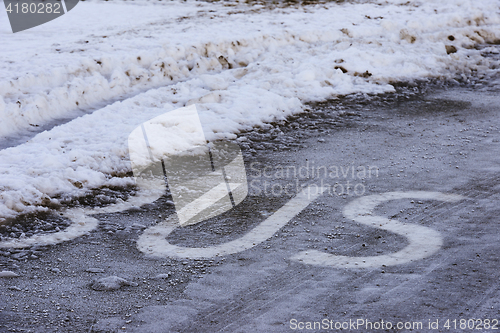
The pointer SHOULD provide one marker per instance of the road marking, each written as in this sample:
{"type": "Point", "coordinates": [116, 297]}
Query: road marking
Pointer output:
{"type": "Point", "coordinates": [153, 241]}
{"type": "Point", "coordinates": [82, 223]}
{"type": "Point", "coordinates": [423, 241]}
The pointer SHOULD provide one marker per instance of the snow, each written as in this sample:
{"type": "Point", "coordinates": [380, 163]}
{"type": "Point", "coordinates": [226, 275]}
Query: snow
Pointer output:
{"type": "Point", "coordinates": [124, 63]}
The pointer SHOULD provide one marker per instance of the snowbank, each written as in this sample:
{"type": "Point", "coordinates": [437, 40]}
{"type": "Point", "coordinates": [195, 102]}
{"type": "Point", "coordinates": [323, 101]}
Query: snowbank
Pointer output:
{"type": "Point", "coordinates": [242, 65]}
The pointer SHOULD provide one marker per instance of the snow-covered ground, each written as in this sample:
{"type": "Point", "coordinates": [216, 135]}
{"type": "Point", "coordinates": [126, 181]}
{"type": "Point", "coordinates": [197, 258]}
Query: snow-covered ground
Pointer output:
{"type": "Point", "coordinates": [242, 65]}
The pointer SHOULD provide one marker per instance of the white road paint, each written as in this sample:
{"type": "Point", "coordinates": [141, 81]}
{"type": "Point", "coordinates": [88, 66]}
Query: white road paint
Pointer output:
{"type": "Point", "coordinates": [153, 241]}
{"type": "Point", "coordinates": [423, 241]}
{"type": "Point", "coordinates": [82, 223]}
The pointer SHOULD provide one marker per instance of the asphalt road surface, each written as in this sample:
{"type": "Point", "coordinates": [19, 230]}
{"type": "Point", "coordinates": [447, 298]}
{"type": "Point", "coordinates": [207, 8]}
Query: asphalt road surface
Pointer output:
{"type": "Point", "coordinates": [362, 213]}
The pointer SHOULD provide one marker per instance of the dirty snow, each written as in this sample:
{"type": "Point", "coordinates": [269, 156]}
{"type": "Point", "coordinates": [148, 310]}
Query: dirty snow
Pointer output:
{"type": "Point", "coordinates": [123, 63]}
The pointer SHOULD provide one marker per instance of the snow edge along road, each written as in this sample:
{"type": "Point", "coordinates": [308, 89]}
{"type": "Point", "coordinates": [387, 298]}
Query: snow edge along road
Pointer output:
{"type": "Point", "coordinates": [240, 83]}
